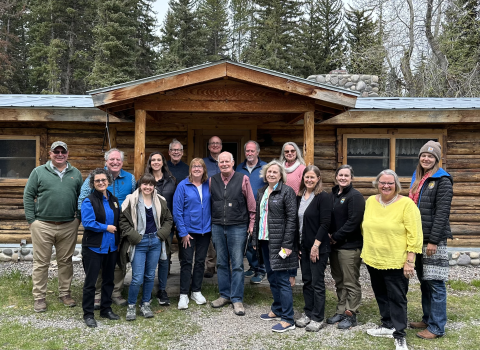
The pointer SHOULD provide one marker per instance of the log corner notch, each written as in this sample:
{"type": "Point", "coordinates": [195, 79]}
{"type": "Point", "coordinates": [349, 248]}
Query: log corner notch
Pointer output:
{"type": "Point", "coordinates": [140, 129]}
{"type": "Point", "coordinates": [308, 137]}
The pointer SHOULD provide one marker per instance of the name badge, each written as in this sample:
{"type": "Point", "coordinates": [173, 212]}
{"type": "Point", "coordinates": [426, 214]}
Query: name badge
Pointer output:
{"type": "Point", "coordinates": [116, 205]}
{"type": "Point", "coordinates": [431, 185]}
{"type": "Point", "coordinates": [342, 200]}
{"type": "Point", "coordinates": [229, 204]}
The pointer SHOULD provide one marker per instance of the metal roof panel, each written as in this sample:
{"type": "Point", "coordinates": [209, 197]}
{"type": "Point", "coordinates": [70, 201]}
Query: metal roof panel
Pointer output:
{"type": "Point", "coordinates": [417, 103]}
{"type": "Point", "coordinates": [53, 101]}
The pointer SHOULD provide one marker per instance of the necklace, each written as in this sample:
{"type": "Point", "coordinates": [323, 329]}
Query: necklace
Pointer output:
{"type": "Point", "coordinates": [385, 204]}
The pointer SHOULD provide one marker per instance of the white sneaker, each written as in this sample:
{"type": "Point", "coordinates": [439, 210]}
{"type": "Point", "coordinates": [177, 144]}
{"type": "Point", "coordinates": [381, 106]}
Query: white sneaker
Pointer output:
{"type": "Point", "coordinates": [198, 298]}
{"type": "Point", "coordinates": [401, 344]}
{"type": "Point", "coordinates": [381, 332]}
{"type": "Point", "coordinates": [183, 302]}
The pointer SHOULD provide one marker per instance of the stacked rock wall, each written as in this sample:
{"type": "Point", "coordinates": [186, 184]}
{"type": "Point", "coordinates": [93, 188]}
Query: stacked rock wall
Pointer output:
{"type": "Point", "coordinates": [366, 84]}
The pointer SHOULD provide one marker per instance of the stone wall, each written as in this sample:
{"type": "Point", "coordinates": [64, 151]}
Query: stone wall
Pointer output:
{"type": "Point", "coordinates": [366, 84]}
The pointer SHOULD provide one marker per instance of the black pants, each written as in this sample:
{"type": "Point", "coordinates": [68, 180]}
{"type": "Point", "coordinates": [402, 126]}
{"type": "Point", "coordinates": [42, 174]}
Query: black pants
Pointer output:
{"type": "Point", "coordinates": [313, 277]}
{"type": "Point", "coordinates": [390, 288]}
{"type": "Point", "coordinates": [198, 247]}
{"type": "Point", "coordinates": [92, 263]}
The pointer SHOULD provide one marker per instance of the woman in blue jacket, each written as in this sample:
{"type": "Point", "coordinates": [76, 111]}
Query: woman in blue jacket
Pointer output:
{"type": "Point", "coordinates": [192, 216]}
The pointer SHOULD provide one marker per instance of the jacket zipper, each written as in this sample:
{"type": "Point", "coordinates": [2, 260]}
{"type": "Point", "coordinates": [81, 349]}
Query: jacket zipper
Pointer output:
{"type": "Point", "coordinates": [225, 206]}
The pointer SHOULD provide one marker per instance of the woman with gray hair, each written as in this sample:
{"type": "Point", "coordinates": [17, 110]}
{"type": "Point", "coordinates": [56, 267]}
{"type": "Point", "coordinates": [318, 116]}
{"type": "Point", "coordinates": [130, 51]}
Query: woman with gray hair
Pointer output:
{"type": "Point", "coordinates": [100, 218]}
{"type": "Point", "coordinates": [292, 160]}
{"type": "Point", "coordinates": [274, 238]}
{"type": "Point", "coordinates": [392, 235]}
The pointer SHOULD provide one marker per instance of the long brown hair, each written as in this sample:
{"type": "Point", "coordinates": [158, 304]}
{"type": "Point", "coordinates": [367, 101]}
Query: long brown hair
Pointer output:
{"type": "Point", "coordinates": [420, 173]}
{"type": "Point", "coordinates": [318, 187]}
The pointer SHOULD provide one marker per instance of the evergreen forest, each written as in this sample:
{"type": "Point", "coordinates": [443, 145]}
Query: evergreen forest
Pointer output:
{"type": "Point", "coordinates": [418, 48]}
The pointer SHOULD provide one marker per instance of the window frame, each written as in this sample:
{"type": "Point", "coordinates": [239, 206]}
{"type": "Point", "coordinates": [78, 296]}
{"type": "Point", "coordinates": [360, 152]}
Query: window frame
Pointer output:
{"type": "Point", "coordinates": [37, 154]}
{"type": "Point", "coordinates": [343, 134]}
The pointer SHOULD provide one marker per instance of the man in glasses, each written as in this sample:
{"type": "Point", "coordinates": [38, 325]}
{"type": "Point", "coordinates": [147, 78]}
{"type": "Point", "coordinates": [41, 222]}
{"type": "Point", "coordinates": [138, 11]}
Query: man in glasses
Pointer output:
{"type": "Point", "coordinates": [178, 168]}
{"type": "Point", "coordinates": [215, 148]}
{"type": "Point", "coordinates": [122, 185]}
{"type": "Point", "coordinates": [50, 201]}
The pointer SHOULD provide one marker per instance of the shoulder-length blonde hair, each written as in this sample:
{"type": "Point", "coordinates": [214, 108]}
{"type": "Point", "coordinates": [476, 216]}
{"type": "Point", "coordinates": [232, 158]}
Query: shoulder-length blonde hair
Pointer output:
{"type": "Point", "coordinates": [202, 163]}
{"type": "Point", "coordinates": [318, 187]}
{"type": "Point", "coordinates": [283, 173]}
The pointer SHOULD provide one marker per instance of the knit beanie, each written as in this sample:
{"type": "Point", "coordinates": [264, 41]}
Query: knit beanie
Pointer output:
{"type": "Point", "coordinates": [432, 147]}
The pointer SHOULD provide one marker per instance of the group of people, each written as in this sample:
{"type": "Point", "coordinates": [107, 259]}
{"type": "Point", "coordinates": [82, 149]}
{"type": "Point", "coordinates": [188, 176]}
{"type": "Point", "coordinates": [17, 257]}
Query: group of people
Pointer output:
{"type": "Point", "coordinates": [277, 214]}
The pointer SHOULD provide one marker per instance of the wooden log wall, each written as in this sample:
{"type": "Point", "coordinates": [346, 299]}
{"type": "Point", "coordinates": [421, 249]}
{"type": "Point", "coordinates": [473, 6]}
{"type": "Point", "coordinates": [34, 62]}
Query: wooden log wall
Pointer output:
{"type": "Point", "coordinates": [84, 142]}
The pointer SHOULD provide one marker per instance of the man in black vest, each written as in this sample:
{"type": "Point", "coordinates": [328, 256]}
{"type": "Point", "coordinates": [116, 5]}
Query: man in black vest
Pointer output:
{"type": "Point", "coordinates": [233, 216]}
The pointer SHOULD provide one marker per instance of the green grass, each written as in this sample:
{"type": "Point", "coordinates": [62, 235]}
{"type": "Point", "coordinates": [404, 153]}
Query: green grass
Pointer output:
{"type": "Point", "coordinates": [21, 328]}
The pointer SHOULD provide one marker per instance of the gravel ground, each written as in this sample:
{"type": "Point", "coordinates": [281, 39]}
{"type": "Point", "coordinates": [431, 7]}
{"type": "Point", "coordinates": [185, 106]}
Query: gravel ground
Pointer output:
{"type": "Point", "coordinates": [216, 326]}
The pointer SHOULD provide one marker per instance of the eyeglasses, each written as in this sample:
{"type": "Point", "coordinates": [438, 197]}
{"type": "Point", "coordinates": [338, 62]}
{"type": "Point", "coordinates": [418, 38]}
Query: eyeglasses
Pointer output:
{"type": "Point", "coordinates": [100, 181]}
{"type": "Point", "coordinates": [215, 143]}
{"type": "Point", "coordinates": [387, 183]}
{"type": "Point", "coordinates": [291, 151]}
{"type": "Point", "coordinates": [58, 152]}
{"type": "Point", "coordinates": [176, 150]}
{"type": "Point", "coordinates": [197, 167]}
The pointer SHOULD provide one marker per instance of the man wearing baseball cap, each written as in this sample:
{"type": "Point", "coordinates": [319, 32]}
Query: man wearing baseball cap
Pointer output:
{"type": "Point", "coordinates": [50, 201]}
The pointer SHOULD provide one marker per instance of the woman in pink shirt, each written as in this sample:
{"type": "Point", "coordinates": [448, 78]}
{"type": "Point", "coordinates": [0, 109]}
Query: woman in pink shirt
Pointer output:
{"type": "Point", "coordinates": [292, 159]}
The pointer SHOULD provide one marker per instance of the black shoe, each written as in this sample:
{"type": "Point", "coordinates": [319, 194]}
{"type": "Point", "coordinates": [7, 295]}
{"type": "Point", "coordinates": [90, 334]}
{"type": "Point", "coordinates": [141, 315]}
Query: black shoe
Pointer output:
{"type": "Point", "coordinates": [335, 318]}
{"type": "Point", "coordinates": [90, 322]}
{"type": "Point", "coordinates": [349, 320]}
{"type": "Point", "coordinates": [162, 298]}
{"type": "Point", "coordinates": [110, 315]}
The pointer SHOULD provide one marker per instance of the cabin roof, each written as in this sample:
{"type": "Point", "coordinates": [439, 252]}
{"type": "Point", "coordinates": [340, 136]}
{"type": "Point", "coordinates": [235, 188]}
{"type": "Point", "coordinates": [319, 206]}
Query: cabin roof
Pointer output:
{"type": "Point", "coordinates": [212, 64]}
{"type": "Point", "coordinates": [46, 101]}
{"type": "Point", "coordinates": [389, 103]}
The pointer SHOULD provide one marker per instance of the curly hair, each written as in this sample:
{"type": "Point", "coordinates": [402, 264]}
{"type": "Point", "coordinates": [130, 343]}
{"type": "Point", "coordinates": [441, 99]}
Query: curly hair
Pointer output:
{"type": "Point", "coordinates": [99, 171]}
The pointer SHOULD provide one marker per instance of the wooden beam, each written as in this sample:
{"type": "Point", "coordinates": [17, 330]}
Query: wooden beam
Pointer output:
{"type": "Point", "coordinates": [292, 86]}
{"type": "Point", "coordinates": [87, 115]}
{"type": "Point", "coordinates": [285, 106]}
{"type": "Point", "coordinates": [296, 118]}
{"type": "Point", "coordinates": [158, 85]}
{"type": "Point", "coordinates": [140, 130]}
{"type": "Point", "coordinates": [405, 117]}
{"type": "Point", "coordinates": [309, 138]}
{"type": "Point", "coordinates": [113, 136]}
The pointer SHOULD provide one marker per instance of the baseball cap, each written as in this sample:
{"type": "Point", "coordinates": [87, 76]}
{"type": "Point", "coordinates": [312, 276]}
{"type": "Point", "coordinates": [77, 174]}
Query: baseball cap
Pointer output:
{"type": "Point", "coordinates": [58, 144]}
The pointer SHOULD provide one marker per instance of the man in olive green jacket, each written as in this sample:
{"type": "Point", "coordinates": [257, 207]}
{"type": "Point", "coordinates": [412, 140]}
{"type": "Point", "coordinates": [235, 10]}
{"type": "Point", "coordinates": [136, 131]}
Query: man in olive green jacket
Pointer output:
{"type": "Point", "coordinates": [50, 201]}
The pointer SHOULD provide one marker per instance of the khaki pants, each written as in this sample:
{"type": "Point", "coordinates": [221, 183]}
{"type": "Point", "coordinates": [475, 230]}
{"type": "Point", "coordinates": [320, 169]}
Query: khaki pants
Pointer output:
{"type": "Point", "coordinates": [211, 260]}
{"type": "Point", "coordinates": [118, 278]}
{"type": "Point", "coordinates": [345, 267]}
{"type": "Point", "coordinates": [44, 237]}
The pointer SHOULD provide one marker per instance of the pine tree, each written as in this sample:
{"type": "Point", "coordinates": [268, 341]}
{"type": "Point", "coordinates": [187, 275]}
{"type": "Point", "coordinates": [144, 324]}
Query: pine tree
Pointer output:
{"type": "Point", "coordinates": [241, 20]}
{"type": "Point", "coordinates": [330, 52]}
{"type": "Point", "coordinates": [115, 44]}
{"type": "Point", "coordinates": [276, 31]}
{"type": "Point", "coordinates": [147, 40]}
{"type": "Point", "coordinates": [182, 40]}
{"type": "Point", "coordinates": [365, 49]}
{"type": "Point", "coordinates": [214, 18]}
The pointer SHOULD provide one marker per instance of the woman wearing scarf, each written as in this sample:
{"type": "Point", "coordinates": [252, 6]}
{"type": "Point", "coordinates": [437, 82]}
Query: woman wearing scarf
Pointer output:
{"type": "Point", "coordinates": [432, 189]}
{"type": "Point", "coordinates": [292, 160]}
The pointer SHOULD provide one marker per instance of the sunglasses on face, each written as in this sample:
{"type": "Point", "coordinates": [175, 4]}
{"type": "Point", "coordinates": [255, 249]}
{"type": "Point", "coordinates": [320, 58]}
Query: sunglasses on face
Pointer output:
{"type": "Point", "coordinates": [287, 152]}
{"type": "Point", "coordinates": [58, 152]}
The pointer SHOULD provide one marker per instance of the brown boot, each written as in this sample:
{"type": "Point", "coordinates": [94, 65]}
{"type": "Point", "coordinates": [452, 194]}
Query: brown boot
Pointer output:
{"type": "Point", "coordinates": [426, 334]}
{"type": "Point", "coordinates": [418, 325]}
{"type": "Point", "coordinates": [67, 300]}
{"type": "Point", "coordinates": [40, 305]}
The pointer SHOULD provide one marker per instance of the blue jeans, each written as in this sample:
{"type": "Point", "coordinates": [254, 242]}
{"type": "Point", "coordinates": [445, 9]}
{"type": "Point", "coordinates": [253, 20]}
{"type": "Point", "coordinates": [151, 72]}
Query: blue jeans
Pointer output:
{"type": "Point", "coordinates": [163, 269]}
{"type": "Point", "coordinates": [434, 301]}
{"type": "Point", "coordinates": [280, 286]}
{"type": "Point", "coordinates": [253, 260]}
{"type": "Point", "coordinates": [229, 242]}
{"type": "Point", "coordinates": [144, 263]}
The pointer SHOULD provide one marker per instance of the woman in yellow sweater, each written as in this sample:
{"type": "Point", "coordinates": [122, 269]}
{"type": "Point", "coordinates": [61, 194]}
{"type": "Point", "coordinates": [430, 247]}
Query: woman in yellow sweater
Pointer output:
{"type": "Point", "coordinates": [392, 235]}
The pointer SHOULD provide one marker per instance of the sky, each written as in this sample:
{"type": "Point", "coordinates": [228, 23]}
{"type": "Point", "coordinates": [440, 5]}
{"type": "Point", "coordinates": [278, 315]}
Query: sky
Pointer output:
{"type": "Point", "coordinates": [160, 7]}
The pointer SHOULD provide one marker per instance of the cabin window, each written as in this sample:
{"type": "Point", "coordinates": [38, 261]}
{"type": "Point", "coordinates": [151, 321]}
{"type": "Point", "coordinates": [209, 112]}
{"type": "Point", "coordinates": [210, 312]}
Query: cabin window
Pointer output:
{"type": "Point", "coordinates": [370, 153]}
{"type": "Point", "coordinates": [18, 156]}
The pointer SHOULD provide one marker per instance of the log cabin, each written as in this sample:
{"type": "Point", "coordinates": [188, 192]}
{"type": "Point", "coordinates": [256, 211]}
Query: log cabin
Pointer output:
{"type": "Point", "coordinates": [239, 102]}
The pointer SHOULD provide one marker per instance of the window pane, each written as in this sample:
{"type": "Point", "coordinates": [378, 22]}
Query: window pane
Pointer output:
{"type": "Point", "coordinates": [17, 158]}
{"type": "Point", "coordinates": [368, 157]}
{"type": "Point", "coordinates": [406, 155]}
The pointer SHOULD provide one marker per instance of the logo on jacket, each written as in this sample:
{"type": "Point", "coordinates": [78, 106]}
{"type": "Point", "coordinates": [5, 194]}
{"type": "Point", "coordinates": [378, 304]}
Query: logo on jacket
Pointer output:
{"type": "Point", "coordinates": [342, 200]}
{"type": "Point", "coordinates": [431, 185]}
{"type": "Point", "coordinates": [430, 149]}
{"type": "Point", "coordinates": [115, 203]}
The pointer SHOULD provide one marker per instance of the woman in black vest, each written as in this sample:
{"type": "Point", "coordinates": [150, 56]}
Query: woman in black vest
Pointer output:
{"type": "Point", "coordinates": [274, 238]}
{"type": "Point", "coordinates": [165, 184]}
{"type": "Point", "coordinates": [100, 218]}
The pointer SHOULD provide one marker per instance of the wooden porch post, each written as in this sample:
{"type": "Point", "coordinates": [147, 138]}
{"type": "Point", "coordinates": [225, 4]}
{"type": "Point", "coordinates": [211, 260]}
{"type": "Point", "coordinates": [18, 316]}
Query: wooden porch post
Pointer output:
{"type": "Point", "coordinates": [308, 137]}
{"type": "Point", "coordinates": [139, 154]}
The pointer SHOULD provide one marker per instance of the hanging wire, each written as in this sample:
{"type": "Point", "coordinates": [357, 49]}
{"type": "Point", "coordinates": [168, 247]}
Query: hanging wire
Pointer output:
{"type": "Point", "coordinates": [106, 135]}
